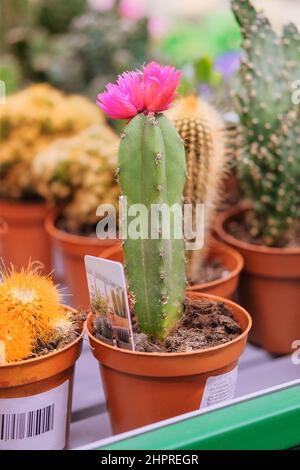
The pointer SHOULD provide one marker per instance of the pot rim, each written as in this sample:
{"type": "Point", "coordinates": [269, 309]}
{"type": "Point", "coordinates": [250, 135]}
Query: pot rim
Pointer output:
{"type": "Point", "coordinates": [239, 208]}
{"type": "Point", "coordinates": [64, 236]}
{"type": "Point", "coordinates": [21, 202]}
{"type": "Point", "coordinates": [205, 285]}
{"type": "Point", "coordinates": [51, 354]}
{"type": "Point", "coordinates": [232, 274]}
{"type": "Point", "coordinates": [198, 352]}
{"type": "Point", "coordinates": [28, 212]}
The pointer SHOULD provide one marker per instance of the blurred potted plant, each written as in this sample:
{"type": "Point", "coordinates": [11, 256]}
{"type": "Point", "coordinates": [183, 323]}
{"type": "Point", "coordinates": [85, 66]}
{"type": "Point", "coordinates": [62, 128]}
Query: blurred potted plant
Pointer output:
{"type": "Point", "coordinates": [30, 120]}
{"type": "Point", "coordinates": [266, 229]}
{"type": "Point", "coordinates": [94, 44]}
{"type": "Point", "coordinates": [40, 340]}
{"type": "Point", "coordinates": [174, 357]}
{"type": "Point", "coordinates": [215, 268]}
{"type": "Point", "coordinates": [78, 174]}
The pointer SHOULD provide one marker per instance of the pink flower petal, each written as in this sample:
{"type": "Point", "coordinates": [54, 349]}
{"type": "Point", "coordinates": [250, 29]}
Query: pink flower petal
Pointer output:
{"type": "Point", "coordinates": [151, 91]}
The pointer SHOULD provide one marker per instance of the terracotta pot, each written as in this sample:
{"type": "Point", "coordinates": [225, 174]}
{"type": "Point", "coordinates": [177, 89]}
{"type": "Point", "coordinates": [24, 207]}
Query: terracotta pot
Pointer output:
{"type": "Point", "coordinates": [3, 232]}
{"type": "Point", "coordinates": [232, 261]}
{"type": "Point", "coordinates": [269, 288]}
{"type": "Point", "coordinates": [44, 383]}
{"type": "Point", "coordinates": [224, 287]}
{"type": "Point", "coordinates": [114, 253]}
{"type": "Point", "coordinates": [73, 248]}
{"type": "Point", "coordinates": [143, 388]}
{"type": "Point", "coordinates": [25, 238]}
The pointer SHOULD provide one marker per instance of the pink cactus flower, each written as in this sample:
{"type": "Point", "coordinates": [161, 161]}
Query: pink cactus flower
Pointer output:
{"type": "Point", "coordinates": [149, 91]}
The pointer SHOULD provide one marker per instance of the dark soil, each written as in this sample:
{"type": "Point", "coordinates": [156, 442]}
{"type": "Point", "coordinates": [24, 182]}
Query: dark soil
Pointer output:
{"type": "Point", "coordinates": [240, 229]}
{"type": "Point", "coordinates": [204, 324]}
{"type": "Point", "coordinates": [212, 270]}
{"type": "Point", "coordinates": [43, 349]}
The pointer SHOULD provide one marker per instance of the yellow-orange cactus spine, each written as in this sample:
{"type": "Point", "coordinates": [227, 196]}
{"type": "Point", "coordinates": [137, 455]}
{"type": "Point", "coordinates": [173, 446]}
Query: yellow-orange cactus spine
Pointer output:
{"type": "Point", "coordinates": [30, 312]}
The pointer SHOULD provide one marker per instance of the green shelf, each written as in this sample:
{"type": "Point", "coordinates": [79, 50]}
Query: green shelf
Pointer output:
{"type": "Point", "coordinates": [270, 420]}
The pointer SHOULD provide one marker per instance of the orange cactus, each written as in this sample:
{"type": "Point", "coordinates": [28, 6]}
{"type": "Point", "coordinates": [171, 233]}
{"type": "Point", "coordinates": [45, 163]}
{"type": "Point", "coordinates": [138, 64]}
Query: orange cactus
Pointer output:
{"type": "Point", "coordinates": [15, 344]}
{"type": "Point", "coordinates": [30, 311]}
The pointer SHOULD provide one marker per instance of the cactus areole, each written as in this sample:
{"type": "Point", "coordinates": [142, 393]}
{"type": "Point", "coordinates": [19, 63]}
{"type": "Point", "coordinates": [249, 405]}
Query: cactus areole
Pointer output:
{"type": "Point", "coordinates": [152, 171]}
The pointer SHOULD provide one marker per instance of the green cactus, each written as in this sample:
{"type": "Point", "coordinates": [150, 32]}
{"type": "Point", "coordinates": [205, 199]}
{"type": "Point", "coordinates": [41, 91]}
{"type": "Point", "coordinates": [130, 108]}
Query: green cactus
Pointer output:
{"type": "Point", "coordinates": [153, 171]}
{"type": "Point", "coordinates": [114, 302]}
{"type": "Point", "coordinates": [104, 327]}
{"type": "Point", "coordinates": [120, 301]}
{"type": "Point", "coordinates": [122, 335]}
{"type": "Point", "coordinates": [269, 160]}
{"type": "Point", "coordinates": [60, 36]}
{"type": "Point", "coordinates": [202, 129]}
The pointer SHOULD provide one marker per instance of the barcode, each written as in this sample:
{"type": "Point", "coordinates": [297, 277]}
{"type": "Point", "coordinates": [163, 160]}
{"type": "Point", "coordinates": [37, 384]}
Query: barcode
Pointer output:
{"type": "Point", "coordinates": [17, 426]}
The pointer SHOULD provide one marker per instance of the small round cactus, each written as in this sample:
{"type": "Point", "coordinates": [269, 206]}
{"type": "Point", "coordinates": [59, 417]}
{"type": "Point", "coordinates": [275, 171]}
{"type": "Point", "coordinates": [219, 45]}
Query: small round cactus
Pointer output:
{"type": "Point", "coordinates": [30, 313]}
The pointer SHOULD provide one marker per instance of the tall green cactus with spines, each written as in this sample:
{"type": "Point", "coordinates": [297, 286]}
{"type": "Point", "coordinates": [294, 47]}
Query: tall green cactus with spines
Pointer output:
{"type": "Point", "coordinates": [270, 158]}
{"type": "Point", "coordinates": [153, 171]}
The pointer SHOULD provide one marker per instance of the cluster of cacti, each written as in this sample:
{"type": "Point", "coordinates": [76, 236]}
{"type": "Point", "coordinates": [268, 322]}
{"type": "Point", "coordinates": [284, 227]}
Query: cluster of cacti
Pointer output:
{"type": "Point", "coordinates": [153, 171]}
{"type": "Point", "coordinates": [30, 314]}
{"type": "Point", "coordinates": [80, 172]}
{"type": "Point", "coordinates": [31, 120]}
{"type": "Point", "coordinates": [87, 53]}
{"type": "Point", "coordinates": [12, 14]}
{"type": "Point", "coordinates": [56, 16]}
{"type": "Point", "coordinates": [202, 130]}
{"type": "Point", "coordinates": [119, 302]}
{"type": "Point", "coordinates": [269, 161]}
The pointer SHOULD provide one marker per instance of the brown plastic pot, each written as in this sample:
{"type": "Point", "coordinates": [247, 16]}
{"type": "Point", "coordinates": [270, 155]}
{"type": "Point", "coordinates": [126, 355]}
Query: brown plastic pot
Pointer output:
{"type": "Point", "coordinates": [223, 287]}
{"type": "Point", "coordinates": [25, 238]}
{"type": "Point", "coordinates": [232, 261]}
{"type": "Point", "coordinates": [33, 377]}
{"type": "Point", "coordinates": [143, 388]}
{"type": "Point", "coordinates": [73, 248]}
{"type": "Point", "coordinates": [114, 253]}
{"type": "Point", "coordinates": [269, 287]}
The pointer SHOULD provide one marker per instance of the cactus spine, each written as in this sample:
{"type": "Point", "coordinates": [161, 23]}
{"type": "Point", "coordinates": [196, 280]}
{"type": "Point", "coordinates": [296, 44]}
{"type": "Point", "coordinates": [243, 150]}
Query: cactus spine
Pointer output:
{"type": "Point", "coordinates": [153, 171]}
{"type": "Point", "coordinates": [269, 163]}
{"type": "Point", "coordinates": [30, 313]}
{"type": "Point", "coordinates": [202, 130]}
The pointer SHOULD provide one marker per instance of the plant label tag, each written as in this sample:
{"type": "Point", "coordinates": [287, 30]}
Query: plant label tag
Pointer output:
{"type": "Point", "coordinates": [219, 389]}
{"type": "Point", "coordinates": [37, 422]}
{"type": "Point", "coordinates": [109, 301]}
